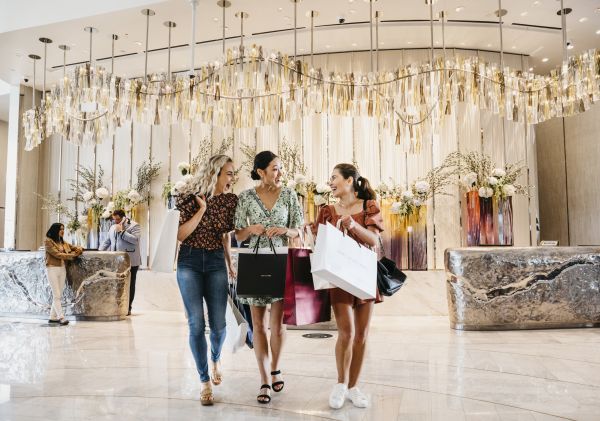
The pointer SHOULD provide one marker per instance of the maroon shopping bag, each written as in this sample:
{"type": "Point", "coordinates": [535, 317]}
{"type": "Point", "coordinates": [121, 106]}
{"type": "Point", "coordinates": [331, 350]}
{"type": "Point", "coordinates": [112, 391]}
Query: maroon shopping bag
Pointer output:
{"type": "Point", "coordinates": [302, 305]}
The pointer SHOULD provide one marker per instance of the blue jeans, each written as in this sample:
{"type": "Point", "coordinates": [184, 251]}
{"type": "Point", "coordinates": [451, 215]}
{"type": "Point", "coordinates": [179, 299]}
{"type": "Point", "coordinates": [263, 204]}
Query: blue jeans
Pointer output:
{"type": "Point", "coordinates": [202, 276]}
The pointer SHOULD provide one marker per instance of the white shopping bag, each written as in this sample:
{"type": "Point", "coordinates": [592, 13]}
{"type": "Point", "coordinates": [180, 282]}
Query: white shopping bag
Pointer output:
{"type": "Point", "coordinates": [166, 244]}
{"type": "Point", "coordinates": [340, 260]}
{"type": "Point", "coordinates": [236, 327]}
{"type": "Point", "coordinates": [319, 282]}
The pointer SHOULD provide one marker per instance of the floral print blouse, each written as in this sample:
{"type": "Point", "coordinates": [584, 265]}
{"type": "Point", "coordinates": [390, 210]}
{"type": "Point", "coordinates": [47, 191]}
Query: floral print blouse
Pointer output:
{"type": "Point", "coordinates": [285, 213]}
{"type": "Point", "coordinates": [216, 221]}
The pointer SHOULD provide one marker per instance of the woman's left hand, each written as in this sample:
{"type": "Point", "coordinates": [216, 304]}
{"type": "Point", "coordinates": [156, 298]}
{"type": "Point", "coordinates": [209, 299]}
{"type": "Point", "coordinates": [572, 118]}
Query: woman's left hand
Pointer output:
{"type": "Point", "coordinates": [232, 274]}
{"type": "Point", "coordinates": [347, 222]}
{"type": "Point", "coordinates": [276, 231]}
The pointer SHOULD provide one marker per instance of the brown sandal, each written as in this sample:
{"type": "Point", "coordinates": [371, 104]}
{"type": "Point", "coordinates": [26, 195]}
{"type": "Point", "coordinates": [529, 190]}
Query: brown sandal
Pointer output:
{"type": "Point", "coordinates": [206, 396]}
{"type": "Point", "coordinates": [217, 376]}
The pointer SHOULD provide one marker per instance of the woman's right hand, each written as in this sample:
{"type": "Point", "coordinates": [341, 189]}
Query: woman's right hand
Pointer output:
{"type": "Point", "coordinates": [201, 201]}
{"type": "Point", "coordinates": [256, 229]}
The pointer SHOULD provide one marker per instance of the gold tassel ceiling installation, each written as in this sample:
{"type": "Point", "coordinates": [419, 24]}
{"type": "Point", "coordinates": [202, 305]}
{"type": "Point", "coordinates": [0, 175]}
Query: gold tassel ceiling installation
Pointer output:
{"type": "Point", "coordinates": [259, 90]}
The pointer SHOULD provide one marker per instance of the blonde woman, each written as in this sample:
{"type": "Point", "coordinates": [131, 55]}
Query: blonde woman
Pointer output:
{"type": "Point", "coordinates": [204, 263]}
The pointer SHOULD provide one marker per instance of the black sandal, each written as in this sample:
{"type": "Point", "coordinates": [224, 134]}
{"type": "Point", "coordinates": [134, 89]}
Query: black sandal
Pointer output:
{"type": "Point", "coordinates": [264, 398]}
{"type": "Point", "coordinates": [279, 383]}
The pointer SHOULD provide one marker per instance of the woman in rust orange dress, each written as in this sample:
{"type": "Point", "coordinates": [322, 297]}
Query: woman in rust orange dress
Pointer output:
{"type": "Point", "coordinates": [360, 216]}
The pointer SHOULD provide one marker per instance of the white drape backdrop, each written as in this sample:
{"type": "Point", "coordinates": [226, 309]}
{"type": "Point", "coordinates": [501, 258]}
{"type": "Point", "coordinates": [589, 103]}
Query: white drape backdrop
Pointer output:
{"type": "Point", "coordinates": [326, 141]}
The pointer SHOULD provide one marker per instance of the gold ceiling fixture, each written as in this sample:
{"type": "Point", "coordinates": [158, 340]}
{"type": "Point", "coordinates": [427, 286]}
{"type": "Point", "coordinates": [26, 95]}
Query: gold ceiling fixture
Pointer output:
{"type": "Point", "coordinates": [251, 88]}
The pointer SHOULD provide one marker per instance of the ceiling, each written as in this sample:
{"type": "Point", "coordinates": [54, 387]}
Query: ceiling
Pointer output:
{"type": "Point", "coordinates": [403, 25]}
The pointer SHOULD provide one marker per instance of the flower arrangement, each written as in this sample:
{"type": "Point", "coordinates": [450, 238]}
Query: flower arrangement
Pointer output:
{"type": "Point", "coordinates": [147, 172]}
{"type": "Point", "coordinates": [322, 194]}
{"type": "Point", "coordinates": [409, 200]}
{"type": "Point", "coordinates": [126, 199]}
{"type": "Point", "coordinates": [184, 168]}
{"type": "Point", "coordinates": [480, 174]}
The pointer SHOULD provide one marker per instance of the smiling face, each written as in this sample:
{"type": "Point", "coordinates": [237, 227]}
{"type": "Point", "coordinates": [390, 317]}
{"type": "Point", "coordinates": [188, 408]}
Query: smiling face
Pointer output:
{"type": "Point", "coordinates": [225, 178]}
{"type": "Point", "coordinates": [273, 174]}
{"type": "Point", "coordinates": [340, 185]}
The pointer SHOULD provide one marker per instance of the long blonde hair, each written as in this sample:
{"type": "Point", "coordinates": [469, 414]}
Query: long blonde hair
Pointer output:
{"type": "Point", "coordinates": [209, 172]}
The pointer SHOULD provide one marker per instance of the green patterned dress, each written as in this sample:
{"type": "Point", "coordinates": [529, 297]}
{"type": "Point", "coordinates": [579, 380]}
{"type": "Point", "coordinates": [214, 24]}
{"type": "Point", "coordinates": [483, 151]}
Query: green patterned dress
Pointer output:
{"type": "Point", "coordinates": [285, 213]}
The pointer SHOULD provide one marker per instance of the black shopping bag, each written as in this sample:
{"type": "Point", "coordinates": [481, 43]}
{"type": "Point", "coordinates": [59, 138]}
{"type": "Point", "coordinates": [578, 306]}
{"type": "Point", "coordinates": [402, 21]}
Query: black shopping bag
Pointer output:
{"type": "Point", "coordinates": [261, 272]}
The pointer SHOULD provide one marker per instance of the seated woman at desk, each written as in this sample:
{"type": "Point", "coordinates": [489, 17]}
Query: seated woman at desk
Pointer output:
{"type": "Point", "coordinates": [57, 251]}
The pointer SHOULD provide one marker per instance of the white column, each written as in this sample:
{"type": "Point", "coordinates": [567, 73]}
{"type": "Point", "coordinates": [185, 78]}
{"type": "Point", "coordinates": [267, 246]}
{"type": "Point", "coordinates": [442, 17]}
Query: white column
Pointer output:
{"type": "Point", "coordinates": [12, 157]}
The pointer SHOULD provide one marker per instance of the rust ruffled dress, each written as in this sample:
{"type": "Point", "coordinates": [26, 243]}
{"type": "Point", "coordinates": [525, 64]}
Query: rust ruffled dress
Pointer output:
{"type": "Point", "coordinates": [370, 217]}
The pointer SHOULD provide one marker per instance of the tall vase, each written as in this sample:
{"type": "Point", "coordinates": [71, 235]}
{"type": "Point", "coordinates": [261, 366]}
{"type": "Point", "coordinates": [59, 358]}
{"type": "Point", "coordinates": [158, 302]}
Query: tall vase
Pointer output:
{"type": "Point", "coordinates": [486, 222]}
{"type": "Point", "coordinates": [310, 209]}
{"type": "Point", "coordinates": [505, 221]}
{"type": "Point", "coordinates": [473, 218]}
{"type": "Point", "coordinates": [398, 250]}
{"type": "Point", "coordinates": [93, 230]}
{"type": "Point", "coordinates": [134, 213]}
{"type": "Point", "coordinates": [417, 238]}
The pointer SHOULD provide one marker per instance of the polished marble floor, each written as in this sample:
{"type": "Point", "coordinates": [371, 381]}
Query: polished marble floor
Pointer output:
{"type": "Point", "coordinates": [416, 369]}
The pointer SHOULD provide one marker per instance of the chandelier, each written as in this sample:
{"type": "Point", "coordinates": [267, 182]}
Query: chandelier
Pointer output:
{"type": "Point", "coordinates": [251, 88]}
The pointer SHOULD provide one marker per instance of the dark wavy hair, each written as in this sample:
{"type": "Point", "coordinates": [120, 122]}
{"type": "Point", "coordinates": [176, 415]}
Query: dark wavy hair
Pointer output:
{"type": "Point", "coordinates": [54, 232]}
{"type": "Point", "coordinates": [261, 162]}
{"type": "Point", "coordinates": [360, 184]}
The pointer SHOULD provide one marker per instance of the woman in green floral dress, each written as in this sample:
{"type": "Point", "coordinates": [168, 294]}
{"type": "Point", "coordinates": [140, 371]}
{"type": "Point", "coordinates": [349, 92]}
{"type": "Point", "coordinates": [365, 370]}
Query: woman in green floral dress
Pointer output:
{"type": "Point", "coordinates": [268, 211]}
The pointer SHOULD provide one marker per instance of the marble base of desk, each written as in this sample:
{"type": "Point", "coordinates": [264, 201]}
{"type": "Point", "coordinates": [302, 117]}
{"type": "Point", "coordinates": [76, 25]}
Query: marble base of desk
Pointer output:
{"type": "Point", "coordinates": [492, 288]}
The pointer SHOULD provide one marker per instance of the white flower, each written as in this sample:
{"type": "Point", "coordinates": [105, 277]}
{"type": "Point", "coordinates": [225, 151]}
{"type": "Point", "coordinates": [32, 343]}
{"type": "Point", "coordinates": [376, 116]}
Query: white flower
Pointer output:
{"type": "Point", "coordinates": [492, 181]}
{"type": "Point", "coordinates": [110, 207]}
{"type": "Point", "coordinates": [128, 208]}
{"type": "Point", "coordinates": [174, 192]}
{"type": "Point", "coordinates": [180, 185]}
{"type": "Point", "coordinates": [187, 179]}
{"type": "Point", "coordinates": [509, 190]}
{"type": "Point", "coordinates": [383, 188]}
{"type": "Point", "coordinates": [102, 193]}
{"type": "Point", "coordinates": [87, 196]}
{"type": "Point", "coordinates": [134, 196]}
{"type": "Point", "coordinates": [498, 172]}
{"type": "Point", "coordinates": [323, 188]}
{"type": "Point", "coordinates": [300, 179]}
{"type": "Point", "coordinates": [291, 184]}
{"type": "Point", "coordinates": [183, 168]}
{"type": "Point", "coordinates": [417, 202]}
{"type": "Point", "coordinates": [486, 192]}
{"type": "Point", "coordinates": [92, 202]}
{"type": "Point", "coordinates": [319, 200]}
{"type": "Point", "coordinates": [395, 208]}
{"type": "Point", "coordinates": [422, 186]}
{"type": "Point", "coordinates": [106, 214]}
{"type": "Point", "coordinates": [407, 195]}
{"type": "Point", "coordinates": [471, 179]}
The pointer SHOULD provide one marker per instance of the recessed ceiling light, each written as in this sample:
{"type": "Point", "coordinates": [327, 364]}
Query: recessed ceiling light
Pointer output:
{"type": "Point", "coordinates": [523, 13]}
{"type": "Point", "coordinates": [354, 44]}
{"type": "Point", "coordinates": [301, 50]}
{"type": "Point", "coordinates": [462, 43]}
{"type": "Point", "coordinates": [536, 3]}
{"type": "Point", "coordinates": [489, 45]}
{"type": "Point", "coordinates": [545, 59]}
{"type": "Point", "coordinates": [598, 32]}
{"type": "Point", "coordinates": [409, 42]}
{"type": "Point", "coordinates": [583, 19]}
{"type": "Point", "coordinates": [328, 46]}
{"type": "Point", "coordinates": [350, 1]}
{"type": "Point", "coordinates": [352, 11]}
{"type": "Point", "coordinates": [138, 43]}
{"type": "Point", "coordinates": [514, 47]}
{"type": "Point", "coordinates": [460, 8]}
{"type": "Point", "coordinates": [381, 43]}
{"type": "Point", "coordinates": [531, 69]}
{"type": "Point", "coordinates": [215, 19]}
{"type": "Point", "coordinates": [279, 9]}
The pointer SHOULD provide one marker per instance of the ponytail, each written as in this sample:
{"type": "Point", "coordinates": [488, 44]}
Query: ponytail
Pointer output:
{"type": "Point", "coordinates": [361, 185]}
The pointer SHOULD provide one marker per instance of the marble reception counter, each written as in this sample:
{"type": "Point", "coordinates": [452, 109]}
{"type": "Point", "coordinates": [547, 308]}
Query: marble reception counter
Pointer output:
{"type": "Point", "coordinates": [497, 288]}
{"type": "Point", "coordinates": [97, 285]}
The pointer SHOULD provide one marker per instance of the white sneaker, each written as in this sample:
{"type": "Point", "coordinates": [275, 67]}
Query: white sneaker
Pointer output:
{"type": "Point", "coordinates": [359, 399]}
{"type": "Point", "coordinates": [338, 396]}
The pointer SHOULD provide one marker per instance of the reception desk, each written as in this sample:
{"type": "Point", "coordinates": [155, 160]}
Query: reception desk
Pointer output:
{"type": "Point", "coordinates": [97, 286]}
{"type": "Point", "coordinates": [497, 288]}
